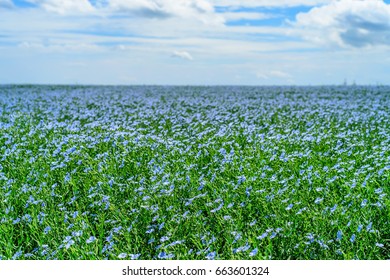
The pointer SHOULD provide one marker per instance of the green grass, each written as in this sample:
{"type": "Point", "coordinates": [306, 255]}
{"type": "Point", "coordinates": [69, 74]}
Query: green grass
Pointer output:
{"type": "Point", "coordinates": [193, 171]}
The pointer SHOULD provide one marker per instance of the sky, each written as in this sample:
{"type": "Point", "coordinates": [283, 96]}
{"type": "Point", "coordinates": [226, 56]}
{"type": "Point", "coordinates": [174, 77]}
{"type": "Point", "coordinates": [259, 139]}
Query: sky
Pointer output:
{"type": "Point", "coordinates": [195, 42]}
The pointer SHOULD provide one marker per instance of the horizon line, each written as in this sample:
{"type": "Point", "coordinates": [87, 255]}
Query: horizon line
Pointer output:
{"type": "Point", "coordinates": [193, 85]}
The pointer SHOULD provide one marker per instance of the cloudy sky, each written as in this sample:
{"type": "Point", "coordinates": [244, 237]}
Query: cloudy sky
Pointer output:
{"type": "Point", "coordinates": [243, 42]}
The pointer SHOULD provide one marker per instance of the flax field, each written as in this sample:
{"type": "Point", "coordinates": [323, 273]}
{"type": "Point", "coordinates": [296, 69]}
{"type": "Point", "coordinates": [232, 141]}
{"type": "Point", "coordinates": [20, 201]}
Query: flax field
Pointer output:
{"type": "Point", "coordinates": [164, 172]}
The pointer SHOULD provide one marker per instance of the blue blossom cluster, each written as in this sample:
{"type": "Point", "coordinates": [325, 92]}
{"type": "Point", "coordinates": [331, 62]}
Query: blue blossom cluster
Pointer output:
{"type": "Point", "coordinates": [160, 172]}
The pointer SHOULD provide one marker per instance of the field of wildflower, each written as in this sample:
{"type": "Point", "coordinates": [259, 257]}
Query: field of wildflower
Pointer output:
{"type": "Point", "coordinates": [154, 172]}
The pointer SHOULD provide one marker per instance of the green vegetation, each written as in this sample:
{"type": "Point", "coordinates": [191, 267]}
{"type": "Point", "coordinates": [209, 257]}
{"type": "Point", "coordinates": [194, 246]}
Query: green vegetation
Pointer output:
{"type": "Point", "coordinates": [194, 172]}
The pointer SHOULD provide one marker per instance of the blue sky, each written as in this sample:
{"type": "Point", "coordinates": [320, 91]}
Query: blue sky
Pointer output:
{"type": "Point", "coordinates": [202, 42]}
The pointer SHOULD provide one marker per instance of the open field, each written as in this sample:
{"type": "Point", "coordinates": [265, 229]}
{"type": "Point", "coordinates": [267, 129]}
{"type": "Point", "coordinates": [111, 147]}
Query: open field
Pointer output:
{"type": "Point", "coordinates": [194, 172]}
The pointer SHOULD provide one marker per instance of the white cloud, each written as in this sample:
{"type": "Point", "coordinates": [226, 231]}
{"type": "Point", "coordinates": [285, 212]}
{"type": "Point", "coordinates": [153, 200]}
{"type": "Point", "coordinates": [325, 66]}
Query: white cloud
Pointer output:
{"type": "Point", "coordinates": [279, 74]}
{"type": "Point", "coordinates": [142, 8]}
{"type": "Point", "coordinates": [261, 75]}
{"type": "Point", "coordinates": [273, 74]}
{"type": "Point", "coordinates": [347, 23]}
{"type": "Point", "coordinates": [137, 44]}
{"type": "Point", "coordinates": [183, 55]}
{"type": "Point", "coordinates": [202, 10]}
{"type": "Point", "coordinates": [162, 7]}
{"type": "Point", "coordinates": [65, 6]}
{"type": "Point", "coordinates": [60, 48]}
{"type": "Point", "coordinates": [268, 3]}
{"type": "Point", "coordinates": [245, 15]}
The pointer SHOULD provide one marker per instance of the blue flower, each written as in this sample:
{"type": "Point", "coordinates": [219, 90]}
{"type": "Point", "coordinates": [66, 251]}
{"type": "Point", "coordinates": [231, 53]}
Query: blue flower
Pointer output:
{"type": "Point", "coordinates": [47, 229]}
{"type": "Point", "coordinates": [150, 230]}
{"type": "Point", "coordinates": [27, 218]}
{"type": "Point", "coordinates": [117, 229]}
{"type": "Point", "coordinates": [217, 209]}
{"type": "Point", "coordinates": [310, 236]}
{"type": "Point", "coordinates": [318, 200]}
{"type": "Point", "coordinates": [77, 233]}
{"type": "Point", "coordinates": [69, 243]}
{"type": "Point", "coordinates": [67, 239]}
{"type": "Point", "coordinates": [264, 235]}
{"type": "Point", "coordinates": [109, 238]}
{"type": "Point", "coordinates": [90, 239]}
{"type": "Point", "coordinates": [378, 191]}
{"type": "Point", "coordinates": [17, 255]}
{"type": "Point", "coordinates": [289, 207]}
{"type": "Point", "coordinates": [134, 256]}
{"type": "Point", "coordinates": [253, 252]}
{"type": "Point", "coordinates": [122, 255]}
{"type": "Point", "coordinates": [211, 255]}
{"type": "Point", "coordinates": [151, 241]}
{"type": "Point", "coordinates": [339, 235]}
{"type": "Point", "coordinates": [164, 238]}
{"type": "Point", "coordinates": [163, 255]}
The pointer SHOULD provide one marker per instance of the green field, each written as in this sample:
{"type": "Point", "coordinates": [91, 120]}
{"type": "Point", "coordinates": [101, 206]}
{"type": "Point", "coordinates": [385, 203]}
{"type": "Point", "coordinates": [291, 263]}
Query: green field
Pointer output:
{"type": "Point", "coordinates": [194, 172]}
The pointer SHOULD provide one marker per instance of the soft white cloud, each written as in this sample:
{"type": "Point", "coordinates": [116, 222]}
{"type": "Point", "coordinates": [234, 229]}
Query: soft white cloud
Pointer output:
{"type": "Point", "coordinates": [279, 74]}
{"type": "Point", "coordinates": [182, 54]}
{"type": "Point", "coordinates": [202, 10]}
{"type": "Point", "coordinates": [134, 41]}
{"type": "Point", "coordinates": [143, 8]}
{"type": "Point", "coordinates": [65, 6]}
{"type": "Point", "coordinates": [273, 74]}
{"type": "Point", "coordinates": [162, 8]}
{"type": "Point", "coordinates": [60, 48]}
{"type": "Point", "coordinates": [347, 23]}
{"type": "Point", "coordinates": [268, 3]}
{"type": "Point", "coordinates": [245, 15]}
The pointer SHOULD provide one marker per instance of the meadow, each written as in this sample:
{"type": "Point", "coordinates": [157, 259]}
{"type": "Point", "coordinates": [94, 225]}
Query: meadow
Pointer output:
{"type": "Point", "coordinates": [160, 172]}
